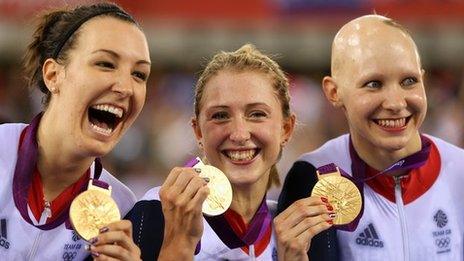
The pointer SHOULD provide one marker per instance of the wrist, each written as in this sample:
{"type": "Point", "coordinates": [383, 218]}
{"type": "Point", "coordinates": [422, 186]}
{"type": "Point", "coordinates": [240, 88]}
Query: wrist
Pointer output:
{"type": "Point", "coordinates": [176, 252]}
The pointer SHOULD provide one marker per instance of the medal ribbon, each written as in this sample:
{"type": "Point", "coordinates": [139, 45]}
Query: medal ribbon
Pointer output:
{"type": "Point", "coordinates": [413, 161]}
{"type": "Point", "coordinates": [25, 164]}
{"type": "Point", "coordinates": [257, 228]}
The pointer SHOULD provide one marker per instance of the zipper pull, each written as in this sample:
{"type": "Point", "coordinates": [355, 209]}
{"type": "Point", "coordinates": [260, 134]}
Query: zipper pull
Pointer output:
{"type": "Point", "coordinates": [47, 209]}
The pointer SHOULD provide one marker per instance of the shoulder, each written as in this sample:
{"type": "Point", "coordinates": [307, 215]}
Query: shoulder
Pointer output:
{"type": "Point", "coordinates": [12, 128]}
{"type": "Point", "coordinates": [9, 140]}
{"type": "Point", "coordinates": [9, 135]}
{"type": "Point", "coordinates": [447, 149]}
{"type": "Point", "coordinates": [148, 206]}
{"type": "Point", "coordinates": [337, 148]}
{"type": "Point", "coordinates": [148, 224]}
{"type": "Point", "coordinates": [123, 196]}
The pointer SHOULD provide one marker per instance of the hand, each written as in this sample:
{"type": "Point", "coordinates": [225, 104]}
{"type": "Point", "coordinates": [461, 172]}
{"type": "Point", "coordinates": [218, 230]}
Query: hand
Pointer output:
{"type": "Point", "coordinates": [182, 196]}
{"type": "Point", "coordinates": [115, 243]}
{"type": "Point", "coordinates": [299, 223]}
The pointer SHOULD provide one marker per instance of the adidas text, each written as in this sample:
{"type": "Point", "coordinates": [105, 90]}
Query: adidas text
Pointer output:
{"type": "Point", "coordinates": [369, 242]}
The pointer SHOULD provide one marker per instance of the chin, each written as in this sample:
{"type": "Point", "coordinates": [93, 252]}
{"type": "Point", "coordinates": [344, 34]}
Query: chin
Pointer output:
{"type": "Point", "coordinates": [394, 143]}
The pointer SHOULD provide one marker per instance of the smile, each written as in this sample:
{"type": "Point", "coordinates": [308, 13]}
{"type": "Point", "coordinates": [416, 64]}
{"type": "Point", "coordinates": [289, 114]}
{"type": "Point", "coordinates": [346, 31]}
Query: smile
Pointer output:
{"type": "Point", "coordinates": [241, 155]}
{"type": "Point", "coordinates": [104, 118]}
{"type": "Point", "coordinates": [393, 123]}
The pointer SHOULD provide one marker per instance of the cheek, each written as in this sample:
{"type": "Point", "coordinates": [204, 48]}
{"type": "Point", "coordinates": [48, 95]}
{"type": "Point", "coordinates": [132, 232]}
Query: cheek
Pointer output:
{"type": "Point", "coordinates": [213, 135]}
{"type": "Point", "coordinates": [270, 134]}
{"type": "Point", "coordinates": [418, 101]}
{"type": "Point", "coordinates": [140, 96]}
{"type": "Point", "coordinates": [364, 105]}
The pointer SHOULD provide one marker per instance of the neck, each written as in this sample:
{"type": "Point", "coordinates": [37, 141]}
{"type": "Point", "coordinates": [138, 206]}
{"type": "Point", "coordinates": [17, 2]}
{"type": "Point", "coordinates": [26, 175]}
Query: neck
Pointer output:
{"type": "Point", "coordinates": [381, 159]}
{"type": "Point", "coordinates": [247, 199]}
{"type": "Point", "coordinates": [58, 166]}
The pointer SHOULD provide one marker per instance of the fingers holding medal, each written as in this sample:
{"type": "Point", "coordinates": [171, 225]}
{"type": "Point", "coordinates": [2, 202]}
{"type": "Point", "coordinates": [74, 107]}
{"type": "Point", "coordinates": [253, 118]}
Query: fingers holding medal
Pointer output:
{"type": "Point", "coordinates": [186, 195]}
{"type": "Point", "coordinates": [299, 223]}
{"type": "Point", "coordinates": [95, 217]}
{"type": "Point", "coordinates": [342, 194]}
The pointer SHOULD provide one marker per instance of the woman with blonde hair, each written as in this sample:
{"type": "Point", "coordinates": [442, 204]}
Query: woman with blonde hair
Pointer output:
{"type": "Point", "coordinates": [242, 121]}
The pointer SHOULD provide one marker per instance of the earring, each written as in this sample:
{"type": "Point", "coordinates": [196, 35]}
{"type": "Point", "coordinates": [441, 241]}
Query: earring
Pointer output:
{"type": "Point", "coordinates": [53, 90]}
{"type": "Point", "coordinates": [200, 144]}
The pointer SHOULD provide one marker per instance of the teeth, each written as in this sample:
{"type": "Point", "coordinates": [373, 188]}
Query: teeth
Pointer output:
{"type": "Point", "coordinates": [109, 108]}
{"type": "Point", "coordinates": [398, 123]}
{"type": "Point", "coordinates": [101, 130]}
{"type": "Point", "coordinates": [242, 155]}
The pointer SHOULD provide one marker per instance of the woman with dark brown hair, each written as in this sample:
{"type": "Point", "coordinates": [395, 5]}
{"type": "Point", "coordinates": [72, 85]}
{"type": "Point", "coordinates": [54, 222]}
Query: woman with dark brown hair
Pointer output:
{"type": "Point", "coordinates": [91, 63]}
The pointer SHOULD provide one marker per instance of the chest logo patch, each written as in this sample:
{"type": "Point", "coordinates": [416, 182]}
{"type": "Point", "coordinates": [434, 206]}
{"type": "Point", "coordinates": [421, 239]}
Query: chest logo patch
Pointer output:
{"type": "Point", "coordinates": [3, 234]}
{"type": "Point", "coordinates": [369, 237]}
{"type": "Point", "coordinates": [442, 236]}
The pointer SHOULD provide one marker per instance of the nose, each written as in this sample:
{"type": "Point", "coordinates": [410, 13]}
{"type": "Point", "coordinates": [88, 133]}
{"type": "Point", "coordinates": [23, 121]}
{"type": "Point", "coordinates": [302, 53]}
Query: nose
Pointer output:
{"type": "Point", "coordinates": [123, 85]}
{"type": "Point", "coordinates": [240, 132]}
{"type": "Point", "coordinates": [395, 99]}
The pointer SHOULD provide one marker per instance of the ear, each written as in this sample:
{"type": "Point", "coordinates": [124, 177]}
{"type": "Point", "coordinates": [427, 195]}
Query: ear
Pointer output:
{"type": "Point", "coordinates": [331, 91]}
{"type": "Point", "coordinates": [50, 72]}
{"type": "Point", "coordinates": [196, 129]}
{"type": "Point", "coordinates": [288, 128]}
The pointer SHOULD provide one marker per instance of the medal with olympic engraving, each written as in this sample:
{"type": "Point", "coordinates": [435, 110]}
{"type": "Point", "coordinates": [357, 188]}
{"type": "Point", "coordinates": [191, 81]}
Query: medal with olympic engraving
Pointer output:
{"type": "Point", "coordinates": [342, 194]}
{"type": "Point", "coordinates": [92, 210]}
{"type": "Point", "coordinates": [220, 190]}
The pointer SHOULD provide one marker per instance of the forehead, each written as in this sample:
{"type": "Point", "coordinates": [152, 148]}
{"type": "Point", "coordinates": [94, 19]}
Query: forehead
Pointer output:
{"type": "Point", "coordinates": [384, 47]}
{"type": "Point", "coordinates": [113, 34]}
{"type": "Point", "coordinates": [229, 88]}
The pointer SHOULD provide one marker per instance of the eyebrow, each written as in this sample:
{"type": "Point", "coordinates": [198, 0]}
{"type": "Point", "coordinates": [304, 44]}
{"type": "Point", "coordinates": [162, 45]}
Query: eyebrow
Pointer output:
{"type": "Point", "coordinates": [248, 105]}
{"type": "Point", "coordinates": [116, 55]}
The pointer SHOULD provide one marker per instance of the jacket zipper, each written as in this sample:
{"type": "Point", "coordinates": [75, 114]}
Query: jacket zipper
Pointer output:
{"type": "Point", "coordinates": [404, 227]}
{"type": "Point", "coordinates": [34, 247]}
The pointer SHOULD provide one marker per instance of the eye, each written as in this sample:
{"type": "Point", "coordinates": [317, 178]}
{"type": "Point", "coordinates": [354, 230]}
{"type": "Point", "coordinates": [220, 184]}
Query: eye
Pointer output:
{"type": "Point", "coordinates": [140, 75]}
{"type": "Point", "coordinates": [105, 64]}
{"type": "Point", "coordinates": [409, 81]}
{"type": "Point", "coordinates": [257, 114]}
{"type": "Point", "coordinates": [373, 84]}
{"type": "Point", "coordinates": [220, 116]}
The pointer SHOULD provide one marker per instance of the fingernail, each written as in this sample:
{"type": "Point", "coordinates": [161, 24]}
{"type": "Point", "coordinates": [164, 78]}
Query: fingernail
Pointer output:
{"type": "Point", "coordinates": [197, 170]}
{"type": "Point", "coordinates": [206, 179]}
{"type": "Point", "coordinates": [324, 199]}
{"type": "Point", "coordinates": [332, 215]}
{"type": "Point", "coordinates": [95, 254]}
{"type": "Point", "coordinates": [93, 240]}
{"type": "Point", "coordinates": [104, 229]}
{"type": "Point", "coordinates": [330, 208]}
{"type": "Point", "coordinates": [330, 222]}
{"type": "Point", "coordinates": [87, 247]}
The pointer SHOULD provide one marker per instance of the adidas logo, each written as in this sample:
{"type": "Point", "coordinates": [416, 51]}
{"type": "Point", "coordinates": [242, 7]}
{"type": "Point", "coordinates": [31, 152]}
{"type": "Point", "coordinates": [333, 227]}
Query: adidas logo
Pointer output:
{"type": "Point", "coordinates": [3, 235]}
{"type": "Point", "coordinates": [369, 237]}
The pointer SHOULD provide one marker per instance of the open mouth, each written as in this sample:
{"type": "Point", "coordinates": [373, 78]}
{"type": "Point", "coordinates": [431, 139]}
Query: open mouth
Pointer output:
{"type": "Point", "coordinates": [241, 155]}
{"type": "Point", "coordinates": [393, 123]}
{"type": "Point", "coordinates": [104, 118]}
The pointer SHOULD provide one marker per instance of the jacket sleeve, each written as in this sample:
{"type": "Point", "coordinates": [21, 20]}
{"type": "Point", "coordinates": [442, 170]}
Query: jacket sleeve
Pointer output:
{"type": "Point", "coordinates": [148, 227]}
{"type": "Point", "coordinates": [298, 184]}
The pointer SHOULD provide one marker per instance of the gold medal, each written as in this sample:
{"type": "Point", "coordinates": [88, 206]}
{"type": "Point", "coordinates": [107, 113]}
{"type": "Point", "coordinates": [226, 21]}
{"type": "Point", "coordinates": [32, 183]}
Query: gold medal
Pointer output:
{"type": "Point", "coordinates": [91, 210]}
{"type": "Point", "coordinates": [342, 194]}
{"type": "Point", "coordinates": [220, 190]}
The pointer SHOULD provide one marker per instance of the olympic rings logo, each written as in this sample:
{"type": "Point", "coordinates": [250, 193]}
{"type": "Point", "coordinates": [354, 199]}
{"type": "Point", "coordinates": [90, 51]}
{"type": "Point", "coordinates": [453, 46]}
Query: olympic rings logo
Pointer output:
{"type": "Point", "coordinates": [442, 242]}
{"type": "Point", "coordinates": [68, 256]}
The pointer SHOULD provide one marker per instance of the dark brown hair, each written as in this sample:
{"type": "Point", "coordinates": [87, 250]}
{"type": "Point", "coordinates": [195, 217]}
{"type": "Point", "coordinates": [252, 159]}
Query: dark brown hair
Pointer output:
{"type": "Point", "coordinates": [56, 34]}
